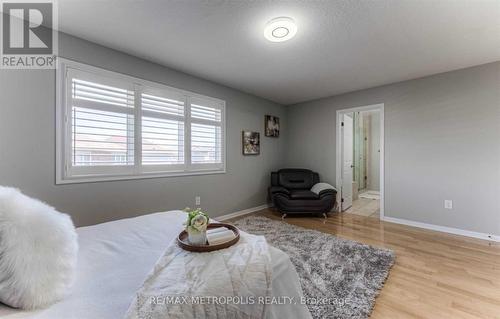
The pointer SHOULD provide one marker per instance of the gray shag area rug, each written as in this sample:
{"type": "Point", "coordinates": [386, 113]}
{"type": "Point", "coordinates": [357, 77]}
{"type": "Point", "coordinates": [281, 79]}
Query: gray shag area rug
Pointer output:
{"type": "Point", "coordinates": [347, 273]}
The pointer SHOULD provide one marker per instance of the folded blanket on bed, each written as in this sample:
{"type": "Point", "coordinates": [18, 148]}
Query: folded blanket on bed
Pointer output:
{"type": "Point", "coordinates": [229, 283]}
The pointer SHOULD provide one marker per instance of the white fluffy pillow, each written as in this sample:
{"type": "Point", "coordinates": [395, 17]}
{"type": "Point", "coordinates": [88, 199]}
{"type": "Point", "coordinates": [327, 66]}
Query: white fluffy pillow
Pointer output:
{"type": "Point", "coordinates": [38, 250]}
{"type": "Point", "coordinates": [317, 188]}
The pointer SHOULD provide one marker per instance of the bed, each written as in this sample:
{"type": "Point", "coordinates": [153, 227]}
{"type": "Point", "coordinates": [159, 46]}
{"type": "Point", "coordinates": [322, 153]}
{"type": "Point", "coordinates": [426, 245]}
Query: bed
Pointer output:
{"type": "Point", "coordinates": [114, 259]}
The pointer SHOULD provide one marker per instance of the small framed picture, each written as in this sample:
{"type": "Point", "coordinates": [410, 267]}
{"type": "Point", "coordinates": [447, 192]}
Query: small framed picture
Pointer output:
{"type": "Point", "coordinates": [272, 126]}
{"type": "Point", "coordinates": [251, 143]}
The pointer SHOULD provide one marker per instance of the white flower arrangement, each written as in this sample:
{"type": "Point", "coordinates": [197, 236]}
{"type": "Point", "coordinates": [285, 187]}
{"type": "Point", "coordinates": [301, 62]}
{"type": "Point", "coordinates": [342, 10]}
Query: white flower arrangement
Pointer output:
{"type": "Point", "coordinates": [196, 225]}
{"type": "Point", "coordinates": [197, 220]}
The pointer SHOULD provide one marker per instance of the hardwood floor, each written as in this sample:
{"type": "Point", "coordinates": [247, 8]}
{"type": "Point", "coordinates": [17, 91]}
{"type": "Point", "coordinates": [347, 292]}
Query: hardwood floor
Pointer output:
{"type": "Point", "coordinates": [436, 275]}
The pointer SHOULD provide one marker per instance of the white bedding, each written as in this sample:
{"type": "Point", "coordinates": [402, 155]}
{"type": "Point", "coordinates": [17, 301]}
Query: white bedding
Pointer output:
{"type": "Point", "coordinates": [115, 258]}
{"type": "Point", "coordinates": [242, 270]}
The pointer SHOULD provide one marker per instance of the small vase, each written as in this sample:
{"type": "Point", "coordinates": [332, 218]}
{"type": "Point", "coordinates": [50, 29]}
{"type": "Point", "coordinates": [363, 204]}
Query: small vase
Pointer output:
{"type": "Point", "coordinates": [197, 238]}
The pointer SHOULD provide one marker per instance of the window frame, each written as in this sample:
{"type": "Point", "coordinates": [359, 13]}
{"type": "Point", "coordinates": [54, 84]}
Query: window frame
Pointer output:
{"type": "Point", "coordinates": [68, 174]}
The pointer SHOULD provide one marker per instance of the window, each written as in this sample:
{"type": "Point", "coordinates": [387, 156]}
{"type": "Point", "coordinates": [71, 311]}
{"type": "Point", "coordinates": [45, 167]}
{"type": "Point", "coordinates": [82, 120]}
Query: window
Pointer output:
{"type": "Point", "coordinates": [111, 126]}
{"type": "Point", "coordinates": [206, 132]}
{"type": "Point", "coordinates": [163, 123]}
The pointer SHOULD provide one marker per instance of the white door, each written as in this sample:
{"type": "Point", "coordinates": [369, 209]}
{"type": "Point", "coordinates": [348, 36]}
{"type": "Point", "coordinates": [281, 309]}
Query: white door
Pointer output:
{"type": "Point", "coordinates": [347, 163]}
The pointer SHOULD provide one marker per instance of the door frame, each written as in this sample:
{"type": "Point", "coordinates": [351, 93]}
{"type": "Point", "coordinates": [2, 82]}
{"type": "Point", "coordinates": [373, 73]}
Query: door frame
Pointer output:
{"type": "Point", "coordinates": [340, 155]}
{"type": "Point", "coordinates": [342, 164]}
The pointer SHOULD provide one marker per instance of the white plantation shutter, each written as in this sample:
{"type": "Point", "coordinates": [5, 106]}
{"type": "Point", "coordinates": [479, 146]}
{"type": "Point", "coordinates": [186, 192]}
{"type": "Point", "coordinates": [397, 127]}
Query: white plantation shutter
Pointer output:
{"type": "Point", "coordinates": [206, 132]}
{"type": "Point", "coordinates": [162, 141]}
{"type": "Point", "coordinates": [162, 105]}
{"type": "Point", "coordinates": [163, 128]}
{"type": "Point", "coordinates": [102, 138]}
{"type": "Point", "coordinates": [102, 121]}
{"type": "Point", "coordinates": [94, 93]}
{"type": "Point", "coordinates": [206, 113]}
{"type": "Point", "coordinates": [113, 126]}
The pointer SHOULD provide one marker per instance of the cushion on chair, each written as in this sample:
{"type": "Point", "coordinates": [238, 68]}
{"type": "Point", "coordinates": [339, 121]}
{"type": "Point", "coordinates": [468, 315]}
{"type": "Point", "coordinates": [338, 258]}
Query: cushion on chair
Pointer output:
{"type": "Point", "coordinates": [303, 194]}
{"type": "Point", "coordinates": [320, 187]}
{"type": "Point", "coordinates": [38, 250]}
{"type": "Point", "coordinates": [296, 178]}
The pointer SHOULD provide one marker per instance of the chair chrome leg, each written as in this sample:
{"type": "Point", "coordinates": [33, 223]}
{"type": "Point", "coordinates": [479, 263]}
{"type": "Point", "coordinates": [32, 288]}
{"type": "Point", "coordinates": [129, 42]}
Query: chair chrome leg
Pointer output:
{"type": "Point", "coordinates": [325, 215]}
{"type": "Point", "coordinates": [283, 216]}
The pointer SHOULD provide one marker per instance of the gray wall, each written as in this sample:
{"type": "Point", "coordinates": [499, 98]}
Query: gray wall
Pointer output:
{"type": "Point", "coordinates": [442, 141]}
{"type": "Point", "coordinates": [27, 145]}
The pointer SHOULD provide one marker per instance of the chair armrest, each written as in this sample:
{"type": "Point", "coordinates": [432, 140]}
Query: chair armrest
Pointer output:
{"type": "Point", "coordinates": [327, 192]}
{"type": "Point", "coordinates": [278, 189]}
{"type": "Point", "coordinates": [323, 189]}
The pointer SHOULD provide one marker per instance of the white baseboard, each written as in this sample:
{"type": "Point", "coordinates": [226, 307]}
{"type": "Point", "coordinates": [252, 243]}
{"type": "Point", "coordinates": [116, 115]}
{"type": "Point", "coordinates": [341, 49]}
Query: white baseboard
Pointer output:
{"type": "Point", "coordinates": [444, 229]}
{"type": "Point", "coordinates": [241, 212]}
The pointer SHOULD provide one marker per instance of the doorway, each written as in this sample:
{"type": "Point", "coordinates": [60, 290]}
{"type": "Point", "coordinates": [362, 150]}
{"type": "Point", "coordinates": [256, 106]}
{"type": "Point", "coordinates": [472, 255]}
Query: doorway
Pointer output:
{"type": "Point", "coordinates": [360, 159]}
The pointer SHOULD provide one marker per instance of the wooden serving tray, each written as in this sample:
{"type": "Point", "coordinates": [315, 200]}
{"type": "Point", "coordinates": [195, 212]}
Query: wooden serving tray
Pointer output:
{"type": "Point", "coordinates": [182, 240]}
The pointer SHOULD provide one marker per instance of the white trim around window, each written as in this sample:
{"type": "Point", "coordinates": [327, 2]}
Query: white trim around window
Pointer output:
{"type": "Point", "coordinates": [111, 126]}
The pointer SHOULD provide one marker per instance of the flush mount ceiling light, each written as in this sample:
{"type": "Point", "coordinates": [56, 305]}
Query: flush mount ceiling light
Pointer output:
{"type": "Point", "coordinates": [280, 29]}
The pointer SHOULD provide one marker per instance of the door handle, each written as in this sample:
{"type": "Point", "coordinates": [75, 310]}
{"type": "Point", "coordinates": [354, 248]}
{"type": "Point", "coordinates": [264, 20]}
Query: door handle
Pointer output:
{"type": "Point", "coordinates": [352, 166]}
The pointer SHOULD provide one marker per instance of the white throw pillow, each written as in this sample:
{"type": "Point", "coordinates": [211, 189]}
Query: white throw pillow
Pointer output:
{"type": "Point", "coordinates": [38, 250]}
{"type": "Point", "coordinates": [317, 188]}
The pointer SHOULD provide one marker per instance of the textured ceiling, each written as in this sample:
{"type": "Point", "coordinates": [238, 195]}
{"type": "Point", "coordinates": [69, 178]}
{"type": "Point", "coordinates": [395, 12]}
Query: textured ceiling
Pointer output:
{"type": "Point", "coordinates": [340, 46]}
